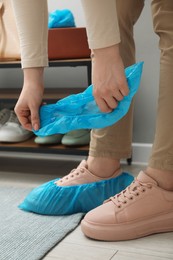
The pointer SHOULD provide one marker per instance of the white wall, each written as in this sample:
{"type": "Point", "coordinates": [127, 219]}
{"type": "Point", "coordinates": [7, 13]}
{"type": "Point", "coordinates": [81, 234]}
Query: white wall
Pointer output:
{"type": "Point", "coordinates": [146, 98]}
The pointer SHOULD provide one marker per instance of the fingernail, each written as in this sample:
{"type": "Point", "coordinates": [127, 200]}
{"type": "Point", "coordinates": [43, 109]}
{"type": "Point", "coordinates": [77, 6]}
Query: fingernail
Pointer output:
{"type": "Point", "coordinates": [36, 127]}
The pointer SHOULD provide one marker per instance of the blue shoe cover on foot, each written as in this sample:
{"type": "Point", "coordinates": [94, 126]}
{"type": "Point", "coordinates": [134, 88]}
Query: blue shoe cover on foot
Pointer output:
{"type": "Point", "coordinates": [50, 199]}
{"type": "Point", "coordinates": [80, 111]}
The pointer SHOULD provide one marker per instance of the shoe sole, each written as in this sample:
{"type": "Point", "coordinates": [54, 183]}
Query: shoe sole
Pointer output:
{"type": "Point", "coordinates": [130, 230]}
{"type": "Point", "coordinates": [15, 139]}
{"type": "Point", "coordinates": [76, 141]}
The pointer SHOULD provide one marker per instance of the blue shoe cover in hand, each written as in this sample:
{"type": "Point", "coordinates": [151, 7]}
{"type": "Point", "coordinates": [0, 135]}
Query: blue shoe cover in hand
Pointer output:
{"type": "Point", "coordinates": [80, 111]}
{"type": "Point", "coordinates": [50, 199]}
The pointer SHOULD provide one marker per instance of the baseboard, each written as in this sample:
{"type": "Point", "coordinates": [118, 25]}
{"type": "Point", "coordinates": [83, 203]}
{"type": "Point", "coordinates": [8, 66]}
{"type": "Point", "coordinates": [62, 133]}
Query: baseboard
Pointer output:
{"type": "Point", "coordinates": [141, 153]}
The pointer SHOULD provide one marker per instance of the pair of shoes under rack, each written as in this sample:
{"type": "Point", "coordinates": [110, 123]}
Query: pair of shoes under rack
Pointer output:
{"type": "Point", "coordinates": [72, 138]}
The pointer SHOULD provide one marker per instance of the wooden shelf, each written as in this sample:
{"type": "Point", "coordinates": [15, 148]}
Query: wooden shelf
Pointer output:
{"type": "Point", "coordinates": [31, 146]}
{"type": "Point", "coordinates": [52, 63]}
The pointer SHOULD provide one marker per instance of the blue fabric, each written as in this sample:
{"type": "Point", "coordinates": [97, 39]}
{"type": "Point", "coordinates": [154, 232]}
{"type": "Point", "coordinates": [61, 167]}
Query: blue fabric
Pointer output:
{"type": "Point", "coordinates": [80, 111]}
{"type": "Point", "coordinates": [61, 18]}
{"type": "Point", "coordinates": [50, 199]}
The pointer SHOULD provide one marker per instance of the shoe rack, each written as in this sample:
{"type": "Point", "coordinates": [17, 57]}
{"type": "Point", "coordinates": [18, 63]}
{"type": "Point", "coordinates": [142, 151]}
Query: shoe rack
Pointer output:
{"type": "Point", "coordinates": [10, 96]}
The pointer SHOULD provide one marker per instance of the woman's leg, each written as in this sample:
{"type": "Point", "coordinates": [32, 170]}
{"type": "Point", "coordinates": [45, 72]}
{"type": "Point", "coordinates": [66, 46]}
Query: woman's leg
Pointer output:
{"type": "Point", "coordinates": [161, 160]}
{"type": "Point", "coordinates": [146, 206]}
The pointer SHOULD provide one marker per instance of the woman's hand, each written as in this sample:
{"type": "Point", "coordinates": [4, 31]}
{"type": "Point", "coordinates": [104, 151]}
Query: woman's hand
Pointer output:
{"type": "Point", "coordinates": [108, 78]}
{"type": "Point", "coordinates": [28, 104]}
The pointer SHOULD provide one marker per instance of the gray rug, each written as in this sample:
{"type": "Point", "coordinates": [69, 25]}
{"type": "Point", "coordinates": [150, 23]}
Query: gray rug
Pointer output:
{"type": "Point", "coordinates": [27, 236]}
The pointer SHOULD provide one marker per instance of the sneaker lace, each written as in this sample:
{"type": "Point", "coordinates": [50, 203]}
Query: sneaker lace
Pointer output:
{"type": "Point", "coordinates": [13, 118]}
{"type": "Point", "coordinates": [73, 173]}
{"type": "Point", "coordinates": [133, 190]}
{"type": "Point", "coordinates": [2, 116]}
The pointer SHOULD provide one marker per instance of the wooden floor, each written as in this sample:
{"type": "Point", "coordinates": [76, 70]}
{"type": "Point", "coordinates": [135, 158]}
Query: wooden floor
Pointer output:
{"type": "Point", "coordinates": [76, 246]}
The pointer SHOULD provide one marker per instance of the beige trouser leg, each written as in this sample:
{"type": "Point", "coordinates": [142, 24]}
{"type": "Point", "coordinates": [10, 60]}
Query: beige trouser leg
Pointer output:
{"type": "Point", "coordinates": [115, 141]}
{"type": "Point", "coordinates": [32, 24]}
{"type": "Point", "coordinates": [162, 152]}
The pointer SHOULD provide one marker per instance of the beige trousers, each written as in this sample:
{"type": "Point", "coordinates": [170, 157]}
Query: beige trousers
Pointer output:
{"type": "Point", "coordinates": [102, 29]}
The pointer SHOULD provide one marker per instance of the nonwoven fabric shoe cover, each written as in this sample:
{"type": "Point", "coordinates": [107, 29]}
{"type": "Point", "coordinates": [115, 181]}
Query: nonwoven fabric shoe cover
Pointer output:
{"type": "Point", "coordinates": [61, 19]}
{"type": "Point", "coordinates": [50, 199]}
{"type": "Point", "coordinates": [80, 111]}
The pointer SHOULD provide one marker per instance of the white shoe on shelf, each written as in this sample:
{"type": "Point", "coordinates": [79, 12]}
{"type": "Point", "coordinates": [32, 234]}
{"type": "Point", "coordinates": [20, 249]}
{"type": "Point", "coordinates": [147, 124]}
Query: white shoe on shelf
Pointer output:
{"type": "Point", "coordinates": [12, 131]}
{"type": "Point", "coordinates": [4, 116]}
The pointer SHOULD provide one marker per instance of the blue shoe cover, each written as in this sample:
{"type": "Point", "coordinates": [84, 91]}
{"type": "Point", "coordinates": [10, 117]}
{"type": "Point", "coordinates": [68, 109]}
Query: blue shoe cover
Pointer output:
{"type": "Point", "coordinates": [80, 111]}
{"type": "Point", "coordinates": [50, 199]}
{"type": "Point", "coordinates": [61, 19]}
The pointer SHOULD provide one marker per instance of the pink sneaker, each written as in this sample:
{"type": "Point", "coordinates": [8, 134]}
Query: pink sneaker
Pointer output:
{"type": "Point", "coordinates": [81, 175]}
{"type": "Point", "coordinates": [143, 208]}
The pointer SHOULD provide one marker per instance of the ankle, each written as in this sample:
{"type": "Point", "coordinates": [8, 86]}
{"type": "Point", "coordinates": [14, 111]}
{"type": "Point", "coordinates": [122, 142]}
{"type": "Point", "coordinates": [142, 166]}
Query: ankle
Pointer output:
{"type": "Point", "coordinates": [162, 177]}
{"type": "Point", "coordinates": [103, 167]}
